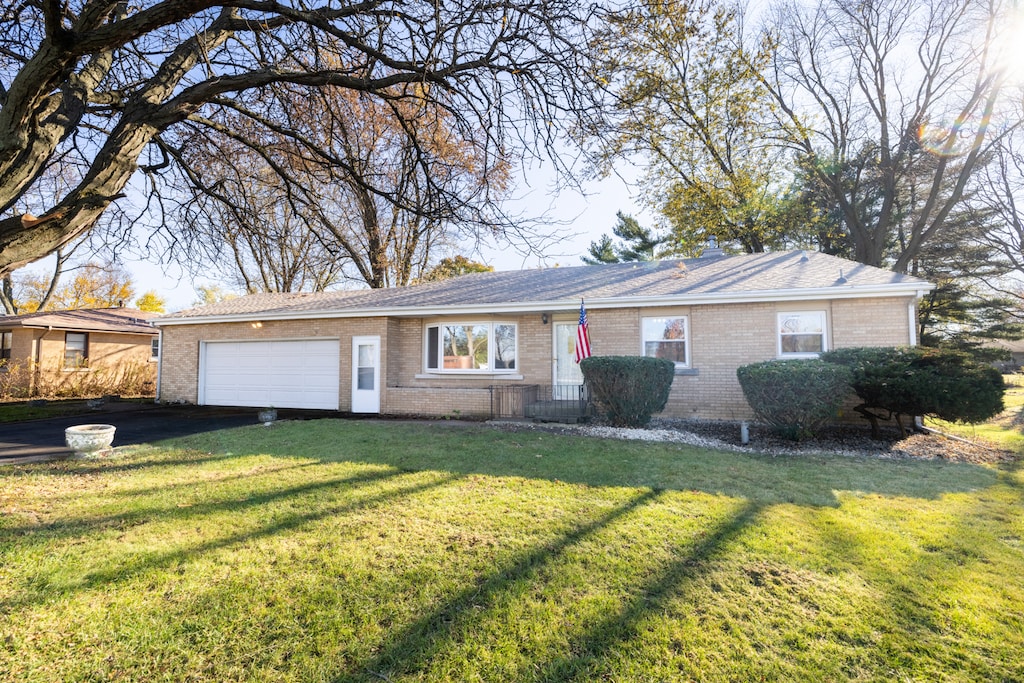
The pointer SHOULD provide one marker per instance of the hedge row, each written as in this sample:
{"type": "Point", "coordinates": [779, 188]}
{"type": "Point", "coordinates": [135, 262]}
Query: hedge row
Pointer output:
{"type": "Point", "coordinates": [798, 397]}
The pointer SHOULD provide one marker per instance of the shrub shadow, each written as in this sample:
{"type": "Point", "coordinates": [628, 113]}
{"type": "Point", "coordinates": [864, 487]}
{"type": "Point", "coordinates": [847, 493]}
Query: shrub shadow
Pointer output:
{"type": "Point", "coordinates": [813, 479]}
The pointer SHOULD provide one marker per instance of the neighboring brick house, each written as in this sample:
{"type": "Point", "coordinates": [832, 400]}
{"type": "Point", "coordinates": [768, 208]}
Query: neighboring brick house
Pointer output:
{"type": "Point", "coordinates": [446, 348]}
{"type": "Point", "coordinates": [65, 352]}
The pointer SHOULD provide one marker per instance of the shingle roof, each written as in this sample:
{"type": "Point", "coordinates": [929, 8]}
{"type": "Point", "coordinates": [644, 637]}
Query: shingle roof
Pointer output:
{"type": "Point", "coordinates": [122, 320]}
{"type": "Point", "coordinates": [754, 277]}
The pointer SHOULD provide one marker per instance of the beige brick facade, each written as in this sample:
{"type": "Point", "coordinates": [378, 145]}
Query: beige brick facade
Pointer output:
{"type": "Point", "coordinates": [722, 337]}
{"type": "Point", "coordinates": [37, 359]}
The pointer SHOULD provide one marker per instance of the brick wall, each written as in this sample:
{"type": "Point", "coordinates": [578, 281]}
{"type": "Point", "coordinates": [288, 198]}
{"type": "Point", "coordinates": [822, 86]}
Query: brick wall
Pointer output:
{"type": "Point", "coordinates": [726, 336]}
{"type": "Point", "coordinates": [722, 338]}
{"type": "Point", "coordinates": [179, 355]}
{"type": "Point", "coordinates": [110, 357]}
{"type": "Point", "coordinates": [450, 401]}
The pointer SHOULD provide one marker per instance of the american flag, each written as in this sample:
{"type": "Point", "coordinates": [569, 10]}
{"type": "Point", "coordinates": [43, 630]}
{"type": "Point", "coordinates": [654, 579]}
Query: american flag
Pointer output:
{"type": "Point", "coordinates": [582, 336]}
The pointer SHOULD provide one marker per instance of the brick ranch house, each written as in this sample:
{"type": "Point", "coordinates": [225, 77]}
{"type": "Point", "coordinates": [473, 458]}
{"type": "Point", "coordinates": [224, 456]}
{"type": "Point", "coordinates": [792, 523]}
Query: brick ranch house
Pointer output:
{"type": "Point", "coordinates": [446, 348]}
{"type": "Point", "coordinates": [56, 351]}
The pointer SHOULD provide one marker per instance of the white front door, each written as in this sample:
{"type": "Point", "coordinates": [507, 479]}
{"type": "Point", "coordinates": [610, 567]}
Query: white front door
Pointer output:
{"type": "Point", "coordinates": [365, 374]}
{"type": "Point", "coordinates": [567, 375]}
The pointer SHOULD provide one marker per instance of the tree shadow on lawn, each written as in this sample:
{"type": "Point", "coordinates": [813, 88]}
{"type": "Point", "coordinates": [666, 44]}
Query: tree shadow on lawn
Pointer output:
{"type": "Point", "coordinates": [402, 485]}
{"type": "Point", "coordinates": [953, 588]}
{"type": "Point", "coordinates": [813, 480]}
{"type": "Point", "coordinates": [177, 510]}
{"type": "Point", "coordinates": [412, 650]}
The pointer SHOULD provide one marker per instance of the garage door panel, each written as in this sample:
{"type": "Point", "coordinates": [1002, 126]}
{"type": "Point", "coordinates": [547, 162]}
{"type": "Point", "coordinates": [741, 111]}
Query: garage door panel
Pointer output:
{"type": "Point", "coordinates": [283, 374]}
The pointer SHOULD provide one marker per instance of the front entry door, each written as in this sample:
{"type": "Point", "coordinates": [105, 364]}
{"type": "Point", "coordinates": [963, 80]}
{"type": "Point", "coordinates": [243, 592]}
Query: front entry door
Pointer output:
{"type": "Point", "coordinates": [567, 375]}
{"type": "Point", "coordinates": [365, 374]}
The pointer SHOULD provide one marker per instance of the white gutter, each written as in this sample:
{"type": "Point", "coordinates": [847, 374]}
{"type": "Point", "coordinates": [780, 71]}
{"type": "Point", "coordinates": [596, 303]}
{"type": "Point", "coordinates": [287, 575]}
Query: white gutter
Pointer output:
{"type": "Point", "coordinates": [847, 292]}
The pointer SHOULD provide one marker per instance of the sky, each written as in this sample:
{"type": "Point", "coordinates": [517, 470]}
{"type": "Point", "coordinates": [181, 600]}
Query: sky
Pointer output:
{"type": "Point", "coordinates": [583, 217]}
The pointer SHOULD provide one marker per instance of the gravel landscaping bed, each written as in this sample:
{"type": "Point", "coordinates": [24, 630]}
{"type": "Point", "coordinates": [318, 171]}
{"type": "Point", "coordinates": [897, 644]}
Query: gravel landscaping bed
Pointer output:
{"type": "Point", "coordinates": [848, 440]}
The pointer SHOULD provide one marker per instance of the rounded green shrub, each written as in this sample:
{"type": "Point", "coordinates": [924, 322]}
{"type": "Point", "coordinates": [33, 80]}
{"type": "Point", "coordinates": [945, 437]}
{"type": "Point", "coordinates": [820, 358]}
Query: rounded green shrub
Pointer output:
{"type": "Point", "coordinates": [628, 390]}
{"type": "Point", "coordinates": [795, 397]}
{"type": "Point", "coordinates": [915, 380]}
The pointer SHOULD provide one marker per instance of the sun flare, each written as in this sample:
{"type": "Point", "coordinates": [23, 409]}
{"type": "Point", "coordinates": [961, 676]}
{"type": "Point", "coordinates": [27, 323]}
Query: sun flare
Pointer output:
{"type": "Point", "coordinates": [1007, 48]}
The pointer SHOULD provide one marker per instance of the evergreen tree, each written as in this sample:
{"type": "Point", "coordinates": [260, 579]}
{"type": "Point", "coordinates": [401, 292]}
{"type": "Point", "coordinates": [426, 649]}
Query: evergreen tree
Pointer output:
{"type": "Point", "coordinates": [637, 243]}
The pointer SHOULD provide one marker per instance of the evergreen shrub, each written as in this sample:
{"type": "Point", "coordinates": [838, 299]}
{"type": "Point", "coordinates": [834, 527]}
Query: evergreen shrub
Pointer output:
{"type": "Point", "coordinates": [795, 397]}
{"type": "Point", "coordinates": [918, 380]}
{"type": "Point", "coordinates": [628, 390]}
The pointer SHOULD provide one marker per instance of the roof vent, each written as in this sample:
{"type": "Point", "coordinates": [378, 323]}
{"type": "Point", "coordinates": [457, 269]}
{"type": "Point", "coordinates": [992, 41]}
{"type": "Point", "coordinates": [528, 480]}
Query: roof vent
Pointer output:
{"type": "Point", "coordinates": [712, 250]}
{"type": "Point", "coordinates": [842, 278]}
{"type": "Point", "coordinates": [804, 258]}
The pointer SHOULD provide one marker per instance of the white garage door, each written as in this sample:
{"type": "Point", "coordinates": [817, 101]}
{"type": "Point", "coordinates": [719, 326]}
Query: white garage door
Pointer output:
{"type": "Point", "coordinates": [282, 374]}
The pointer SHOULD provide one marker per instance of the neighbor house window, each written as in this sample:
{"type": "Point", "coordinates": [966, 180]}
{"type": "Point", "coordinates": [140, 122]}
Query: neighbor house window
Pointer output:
{"type": "Point", "coordinates": [5, 345]}
{"type": "Point", "coordinates": [154, 353]}
{"type": "Point", "coordinates": [76, 349]}
{"type": "Point", "coordinates": [802, 333]}
{"type": "Point", "coordinates": [667, 338]}
{"type": "Point", "coordinates": [468, 347]}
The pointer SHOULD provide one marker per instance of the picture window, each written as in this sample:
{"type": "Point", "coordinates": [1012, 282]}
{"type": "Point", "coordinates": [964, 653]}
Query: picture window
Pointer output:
{"type": "Point", "coordinates": [471, 347]}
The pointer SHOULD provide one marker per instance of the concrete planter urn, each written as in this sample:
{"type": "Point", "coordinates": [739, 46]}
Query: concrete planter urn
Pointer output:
{"type": "Point", "coordinates": [267, 415]}
{"type": "Point", "coordinates": [89, 441]}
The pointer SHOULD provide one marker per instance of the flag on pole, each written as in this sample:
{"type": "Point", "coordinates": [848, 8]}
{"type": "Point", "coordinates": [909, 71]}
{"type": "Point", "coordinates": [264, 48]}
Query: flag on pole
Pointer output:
{"type": "Point", "coordinates": [582, 336]}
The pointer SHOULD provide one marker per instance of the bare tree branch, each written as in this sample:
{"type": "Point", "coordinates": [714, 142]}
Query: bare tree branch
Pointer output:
{"type": "Point", "coordinates": [93, 85]}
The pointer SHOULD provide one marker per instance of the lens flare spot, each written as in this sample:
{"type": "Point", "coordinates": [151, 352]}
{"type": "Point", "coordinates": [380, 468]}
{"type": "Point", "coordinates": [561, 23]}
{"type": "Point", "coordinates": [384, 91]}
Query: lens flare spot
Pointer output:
{"type": "Point", "coordinates": [953, 139]}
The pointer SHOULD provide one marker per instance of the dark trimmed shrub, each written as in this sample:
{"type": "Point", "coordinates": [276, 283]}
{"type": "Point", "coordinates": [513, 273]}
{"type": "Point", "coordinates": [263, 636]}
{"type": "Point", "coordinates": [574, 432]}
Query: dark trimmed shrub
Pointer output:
{"type": "Point", "coordinates": [921, 381]}
{"type": "Point", "coordinates": [628, 390]}
{"type": "Point", "coordinates": [795, 397]}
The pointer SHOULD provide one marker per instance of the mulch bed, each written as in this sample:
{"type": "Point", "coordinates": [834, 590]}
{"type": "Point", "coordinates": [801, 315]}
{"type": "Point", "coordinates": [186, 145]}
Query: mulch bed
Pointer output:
{"type": "Point", "coordinates": [856, 440]}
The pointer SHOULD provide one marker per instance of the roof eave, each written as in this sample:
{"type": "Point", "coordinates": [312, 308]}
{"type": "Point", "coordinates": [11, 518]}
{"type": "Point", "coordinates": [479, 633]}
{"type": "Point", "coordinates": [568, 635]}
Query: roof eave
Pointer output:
{"type": "Point", "coordinates": [916, 289]}
{"type": "Point", "coordinates": [79, 328]}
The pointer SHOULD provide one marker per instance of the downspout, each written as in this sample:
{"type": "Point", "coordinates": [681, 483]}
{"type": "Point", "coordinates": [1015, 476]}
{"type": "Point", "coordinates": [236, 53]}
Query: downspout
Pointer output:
{"type": "Point", "coordinates": [37, 361]}
{"type": "Point", "coordinates": [912, 318]}
{"type": "Point", "coordinates": [912, 311]}
{"type": "Point", "coordinates": [159, 360]}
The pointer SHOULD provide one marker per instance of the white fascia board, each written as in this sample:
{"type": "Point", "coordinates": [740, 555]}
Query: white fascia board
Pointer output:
{"type": "Point", "coordinates": [780, 295]}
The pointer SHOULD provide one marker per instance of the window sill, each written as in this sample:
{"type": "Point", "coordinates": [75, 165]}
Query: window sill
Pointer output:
{"type": "Point", "coordinates": [687, 372]}
{"type": "Point", "coordinates": [468, 375]}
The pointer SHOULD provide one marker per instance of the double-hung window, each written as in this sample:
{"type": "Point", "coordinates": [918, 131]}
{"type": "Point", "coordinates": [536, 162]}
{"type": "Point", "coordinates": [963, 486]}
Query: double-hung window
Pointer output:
{"type": "Point", "coordinates": [76, 350]}
{"type": "Point", "coordinates": [667, 337]}
{"type": "Point", "coordinates": [5, 345]}
{"type": "Point", "coordinates": [802, 334]}
{"type": "Point", "coordinates": [471, 347]}
{"type": "Point", "coordinates": [154, 349]}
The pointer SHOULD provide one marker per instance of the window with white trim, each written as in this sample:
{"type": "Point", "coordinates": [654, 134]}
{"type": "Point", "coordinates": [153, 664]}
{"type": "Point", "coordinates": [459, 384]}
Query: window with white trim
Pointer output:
{"type": "Point", "coordinates": [154, 349]}
{"type": "Point", "coordinates": [667, 337]}
{"type": "Point", "coordinates": [5, 345]}
{"type": "Point", "coordinates": [76, 350]}
{"type": "Point", "coordinates": [802, 333]}
{"type": "Point", "coordinates": [471, 347]}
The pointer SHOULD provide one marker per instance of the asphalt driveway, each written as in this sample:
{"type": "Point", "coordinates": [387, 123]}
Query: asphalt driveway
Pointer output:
{"type": "Point", "coordinates": [44, 439]}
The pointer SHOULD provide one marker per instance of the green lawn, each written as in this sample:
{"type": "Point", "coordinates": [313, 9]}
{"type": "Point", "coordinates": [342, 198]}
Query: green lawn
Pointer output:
{"type": "Point", "coordinates": [362, 551]}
